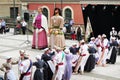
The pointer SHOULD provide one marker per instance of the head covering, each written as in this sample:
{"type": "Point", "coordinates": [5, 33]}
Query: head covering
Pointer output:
{"type": "Point", "coordinates": [67, 50]}
{"type": "Point", "coordinates": [57, 48]}
{"type": "Point", "coordinates": [92, 38]}
{"type": "Point", "coordinates": [8, 58]}
{"type": "Point", "coordinates": [104, 36]}
{"type": "Point", "coordinates": [82, 41]}
{"type": "Point", "coordinates": [99, 36]}
{"type": "Point", "coordinates": [38, 57]}
{"type": "Point", "coordinates": [22, 51]}
{"type": "Point", "coordinates": [26, 55]}
{"type": "Point", "coordinates": [46, 49]}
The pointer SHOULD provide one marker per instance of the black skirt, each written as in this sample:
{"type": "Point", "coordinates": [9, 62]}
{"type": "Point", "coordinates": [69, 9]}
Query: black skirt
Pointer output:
{"type": "Point", "coordinates": [90, 64]}
{"type": "Point", "coordinates": [38, 75]}
{"type": "Point", "coordinates": [113, 55]}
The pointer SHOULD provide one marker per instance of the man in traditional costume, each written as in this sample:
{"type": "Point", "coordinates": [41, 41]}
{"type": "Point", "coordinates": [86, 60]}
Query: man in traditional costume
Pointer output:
{"type": "Point", "coordinates": [25, 68]}
{"type": "Point", "coordinates": [41, 28]}
{"type": "Point", "coordinates": [84, 54]}
{"type": "Point", "coordinates": [56, 30]}
{"type": "Point", "coordinates": [21, 58]}
{"type": "Point", "coordinates": [59, 61]}
{"type": "Point", "coordinates": [105, 45]}
{"type": "Point", "coordinates": [98, 47]}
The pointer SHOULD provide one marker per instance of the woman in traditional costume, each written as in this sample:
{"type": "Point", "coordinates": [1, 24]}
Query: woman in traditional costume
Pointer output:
{"type": "Point", "coordinates": [113, 51]}
{"type": "Point", "coordinates": [40, 32]}
{"type": "Point", "coordinates": [40, 66]}
{"type": "Point", "coordinates": [68, 65]}
{"type": "Point", "coordinates": [56, 30]}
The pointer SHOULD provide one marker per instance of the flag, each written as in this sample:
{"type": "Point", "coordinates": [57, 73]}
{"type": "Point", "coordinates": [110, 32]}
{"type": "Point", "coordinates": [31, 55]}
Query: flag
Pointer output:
{"type": "Point", "coordinates": [88, 30]}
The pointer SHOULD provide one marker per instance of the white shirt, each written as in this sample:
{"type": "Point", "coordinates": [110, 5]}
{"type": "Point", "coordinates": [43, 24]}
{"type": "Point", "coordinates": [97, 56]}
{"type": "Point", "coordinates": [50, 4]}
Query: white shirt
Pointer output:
{"type": "Point", "coordinates": [11, 75]}
{"type": "Point", "coordinates": [105, 43]}
{"type": "Point", "coordinates": [24, 24]}
{"type": "Point", "coordinates": [18, 18]}
{"type": "Point", "coordinates": [59, 58]}
{"type": "Point", "coordinates": [113, 32]}
{"type": "Point", "coordinates": [84, 49]}
{"type": "Point", "coordinates": [24, 66]}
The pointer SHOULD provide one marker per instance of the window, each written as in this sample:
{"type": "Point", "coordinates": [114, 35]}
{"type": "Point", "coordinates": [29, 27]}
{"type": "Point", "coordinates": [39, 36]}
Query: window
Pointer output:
{"type": "Point", "coordinates": [12, 13]}
{"type": "Point", "coordinates": [68, 14]}
{"type": "Point", "coordinates": [45, 12]}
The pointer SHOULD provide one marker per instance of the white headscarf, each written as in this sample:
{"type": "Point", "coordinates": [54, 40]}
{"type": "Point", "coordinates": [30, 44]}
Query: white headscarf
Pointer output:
{"type": "Point", "coordinates": [38, 57]}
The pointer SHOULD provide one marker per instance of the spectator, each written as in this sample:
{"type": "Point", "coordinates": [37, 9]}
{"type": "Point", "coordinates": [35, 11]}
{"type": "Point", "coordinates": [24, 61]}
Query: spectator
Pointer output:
{"type": "Point", "coordinates": [71, 23]}
{"type": "Point", "coordinates": [79, 35]}
{"type": "Point", "coordinates": [67, 26]}
{"type": "Point", "coordinates": [113, 33]}
{"type": "Point", "coordinates": [3, 25]}
{"type": "Point", "coordinates": [73, 35]}
{"type": "Point", "coordinates": [18, 18]}
{"type": "Point", "coordinates": [23, 27]}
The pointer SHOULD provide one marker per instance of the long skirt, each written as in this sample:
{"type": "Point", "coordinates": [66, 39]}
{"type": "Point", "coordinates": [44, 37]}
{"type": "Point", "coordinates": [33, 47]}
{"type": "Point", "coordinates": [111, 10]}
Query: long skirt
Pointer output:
{"type": "Point", "coordinates": [39, 40]}
{"type": "Point", "coordinates": [90, 64]}
{"type": "Point", "coordinates": [113, 56]}
{"type": "Point", "coordinates": [57, 40]}
{"type": "Point", "coordinates": [68, 72]}
{"type": "Point", "coordinates": [38, 75]}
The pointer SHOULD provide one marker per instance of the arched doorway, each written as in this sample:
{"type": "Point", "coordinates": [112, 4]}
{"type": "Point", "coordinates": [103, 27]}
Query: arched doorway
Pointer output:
{"type": "Point", "coordinates": [45, 12]}
{"type": "Point", "coordinates": [68, 14]}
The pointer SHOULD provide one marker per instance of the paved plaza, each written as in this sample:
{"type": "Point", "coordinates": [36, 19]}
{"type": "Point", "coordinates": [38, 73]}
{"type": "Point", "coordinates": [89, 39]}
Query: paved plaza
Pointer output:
{"type": "Point", "coordinates": [11, 44]}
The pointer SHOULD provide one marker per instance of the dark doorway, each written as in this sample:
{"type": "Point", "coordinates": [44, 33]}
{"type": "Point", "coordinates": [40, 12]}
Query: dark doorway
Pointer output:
{"type": "Point", "coordinates": [103, 18]}
{"type": "Point", "coordinates": [45, 12]}
{"type": "Point", "coordinates": [12, 12]}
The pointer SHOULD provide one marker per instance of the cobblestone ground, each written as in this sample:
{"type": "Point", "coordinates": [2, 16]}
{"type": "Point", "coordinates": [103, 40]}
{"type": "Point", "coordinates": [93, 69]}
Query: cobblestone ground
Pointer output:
{"type": "Point", "coordinates": [11, 44]}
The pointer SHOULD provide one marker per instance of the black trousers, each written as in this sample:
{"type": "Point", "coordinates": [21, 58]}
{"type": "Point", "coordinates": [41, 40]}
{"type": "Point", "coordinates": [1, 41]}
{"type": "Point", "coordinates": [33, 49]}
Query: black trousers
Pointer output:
{"type": "Point", "coordinates": [3, 29]}
{"type": "Point", "coordinates": [23, 30]}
